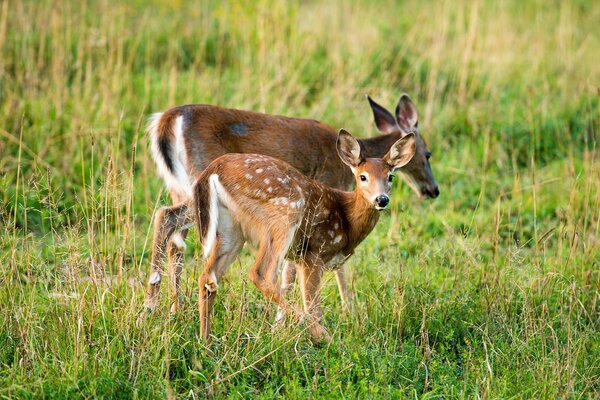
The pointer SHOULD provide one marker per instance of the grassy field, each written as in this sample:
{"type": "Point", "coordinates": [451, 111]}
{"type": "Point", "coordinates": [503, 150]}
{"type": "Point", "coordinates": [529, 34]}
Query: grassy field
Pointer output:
{"type": "Point", "coordinates": [490, 291]}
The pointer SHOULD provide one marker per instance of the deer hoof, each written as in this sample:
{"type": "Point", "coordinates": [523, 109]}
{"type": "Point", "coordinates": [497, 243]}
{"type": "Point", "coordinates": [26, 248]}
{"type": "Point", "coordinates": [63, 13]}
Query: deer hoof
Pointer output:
{"type": "Point", "coordinates": [280, 316]}
{"type": "Point", "coordinates": [211, 287]}
{"type": "Point", "coordinates": [150, 305]}
{"type": "Point", "coordinates": [210, 283]}
{"type": "Point", "coordinates": [319, 333]}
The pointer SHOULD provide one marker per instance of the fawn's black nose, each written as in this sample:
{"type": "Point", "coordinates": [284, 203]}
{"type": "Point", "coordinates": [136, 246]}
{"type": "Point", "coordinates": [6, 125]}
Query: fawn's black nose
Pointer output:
{"type": "Point", "coordinates": [436, 192]}
{"type": "Point", "coordinates": [382, 201]}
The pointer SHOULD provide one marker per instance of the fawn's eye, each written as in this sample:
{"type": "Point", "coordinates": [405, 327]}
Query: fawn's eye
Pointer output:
{"type": "Point", "coordinates": [363, 178]}
{"type": "Point", "coordinates": [390, 178]}
{"type": "Point", "coordinates": [428, 155]}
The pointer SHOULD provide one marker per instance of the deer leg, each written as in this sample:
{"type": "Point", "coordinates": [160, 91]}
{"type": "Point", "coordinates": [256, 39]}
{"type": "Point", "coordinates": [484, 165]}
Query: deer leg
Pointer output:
{"type": "Point", "coordinates": [263, 274]}
{"type": "Point", "coordinates": [227, 247]}
{"type": "Point", "coordinates": [168, 221]}
{"type": "Point", "coordinates": [310, 284]}
{"type": "Point", "coordinates": [206, 301]}
{"type": "Point", "coordinates": [288, 277]}
{"type": "Point", "coordinates": [175, 249]}
{"type": "Point", "coordinates": [345, 294]}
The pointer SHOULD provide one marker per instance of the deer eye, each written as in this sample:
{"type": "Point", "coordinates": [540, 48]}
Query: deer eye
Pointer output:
{"type": "Point", "coordinates": [390, 178]}
{"type": "Point", "coordinates": [363, 178]}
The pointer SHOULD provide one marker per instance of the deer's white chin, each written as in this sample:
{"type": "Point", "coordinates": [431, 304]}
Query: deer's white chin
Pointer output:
{"type": "Point", "coordinates": [379, 208]}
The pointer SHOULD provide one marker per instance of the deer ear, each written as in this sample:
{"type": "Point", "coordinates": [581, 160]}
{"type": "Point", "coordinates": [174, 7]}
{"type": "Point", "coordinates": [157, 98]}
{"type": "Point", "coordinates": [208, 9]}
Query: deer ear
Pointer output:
{"type": "Point", "coordinates": [401, 152]}
{"type": "Point", "coordinates": [406, 114]}
{"type": "Point", "coordinates": [348, 149]}
{"type": "Point", "coordinates": [383, 118]}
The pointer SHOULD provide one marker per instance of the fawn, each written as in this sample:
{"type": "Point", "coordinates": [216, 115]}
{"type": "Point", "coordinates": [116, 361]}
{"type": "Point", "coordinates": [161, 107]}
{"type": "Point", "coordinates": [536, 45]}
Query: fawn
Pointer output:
{"type": "Point", "coordinates": [267, 202]}
{"type": "Point", "coordinates": [186, 139]}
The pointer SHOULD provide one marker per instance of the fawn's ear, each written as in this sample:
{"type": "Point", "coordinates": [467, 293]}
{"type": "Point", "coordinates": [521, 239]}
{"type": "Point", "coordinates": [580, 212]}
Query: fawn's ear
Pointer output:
{"type": "Point", "coordinates": [406, 114]}
{"type": "Point", "coordinates": [385, 121]}
{"type": "Point", "coordinates": [401, 152]}
{"type": "Point", "coordinates": [348, 149]}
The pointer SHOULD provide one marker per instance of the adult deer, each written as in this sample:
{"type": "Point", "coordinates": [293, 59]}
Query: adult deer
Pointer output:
{"type": "Point", "coordinates": [259, 199]}
{"type": "Point", "coordinates": [186, 139]}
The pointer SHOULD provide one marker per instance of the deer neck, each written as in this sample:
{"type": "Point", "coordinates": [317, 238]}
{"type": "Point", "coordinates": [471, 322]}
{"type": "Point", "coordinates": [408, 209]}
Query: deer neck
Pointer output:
{"type": "Point", "coordinates": [378, 146]}
{"type": "Point", "coordinates": [361, 216]}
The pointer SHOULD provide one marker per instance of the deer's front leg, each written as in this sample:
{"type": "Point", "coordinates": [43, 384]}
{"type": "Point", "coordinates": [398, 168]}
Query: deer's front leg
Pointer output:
{"type": "Point", "coordinates": [310, 283]}
{"type": "Point", "coordinates": [345, 294]}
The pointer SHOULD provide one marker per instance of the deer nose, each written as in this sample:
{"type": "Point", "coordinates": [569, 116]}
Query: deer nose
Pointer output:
{"type": "Point", "coordinates": [382, 201]}
{"type": "Point", "coordinates": [431, 193]}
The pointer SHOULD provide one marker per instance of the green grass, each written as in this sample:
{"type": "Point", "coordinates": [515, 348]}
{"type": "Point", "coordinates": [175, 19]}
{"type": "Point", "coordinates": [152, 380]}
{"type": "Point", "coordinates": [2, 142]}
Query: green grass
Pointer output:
{"type": "Point", "coordinates": [490, 291]}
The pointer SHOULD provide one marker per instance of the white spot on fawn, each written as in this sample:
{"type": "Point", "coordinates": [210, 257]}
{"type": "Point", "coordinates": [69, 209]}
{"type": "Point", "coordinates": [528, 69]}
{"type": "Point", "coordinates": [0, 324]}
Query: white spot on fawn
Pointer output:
{"type": "Point", "coordinates": [297, 204]}
{"type": "Point", "coordinates": [279, 200]}
{"type": "Point", "coordinates": [259, 170]}
{"type": "Point", "coordinates": [269, 189]}
{"type": "Point", "coordinates": [267, 181]}
{"type": "Point", "coordinates": [249, 177]}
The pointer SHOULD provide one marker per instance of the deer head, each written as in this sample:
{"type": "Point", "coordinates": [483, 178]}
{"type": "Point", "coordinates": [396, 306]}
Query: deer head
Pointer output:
{"type": "Point", "coordinates": [374, 175]}
{"type": "Point", "coordinates": [417, 172]}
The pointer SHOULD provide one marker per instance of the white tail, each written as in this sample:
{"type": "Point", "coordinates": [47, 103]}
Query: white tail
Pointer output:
{"type": "Point", "coordinates": [169, 152]}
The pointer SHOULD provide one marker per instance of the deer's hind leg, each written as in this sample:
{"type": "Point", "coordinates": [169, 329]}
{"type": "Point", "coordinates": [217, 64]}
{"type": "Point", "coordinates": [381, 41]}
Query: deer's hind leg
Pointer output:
{"type": "Point", "coordinates": [227, 247]}
{"type": "Point", "coordinates": [272, 250]}
{"type": "Point", "coordinates": [175, 250]}
{"type": "Point", "coordinates": [168, 223]}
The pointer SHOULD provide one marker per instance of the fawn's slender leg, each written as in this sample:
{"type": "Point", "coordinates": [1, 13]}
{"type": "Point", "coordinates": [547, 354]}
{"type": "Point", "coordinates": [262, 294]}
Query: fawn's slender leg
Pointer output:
{"type": "Point", "coordinates": [288, 277]}
{"type": "Point", "coordinates": [227, 247]}
{"type": "Point", "coordinates": [168, 220]}
{"type": "Point", "coordinates": [345, 294]}
{"type": "Point", "coordinates": [271, 253]}
{"type": "Point", "coordinates": [310, 284]}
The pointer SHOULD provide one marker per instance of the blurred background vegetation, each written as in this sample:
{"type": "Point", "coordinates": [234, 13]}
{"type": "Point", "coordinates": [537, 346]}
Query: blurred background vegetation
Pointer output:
{"type": "Point", "coordinates": [491, 290]}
